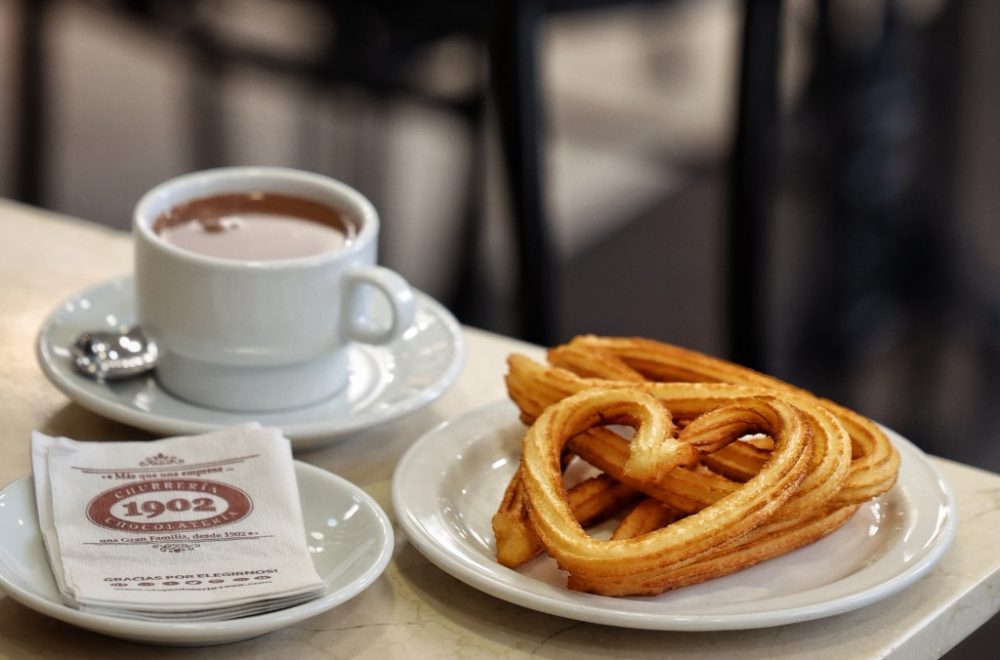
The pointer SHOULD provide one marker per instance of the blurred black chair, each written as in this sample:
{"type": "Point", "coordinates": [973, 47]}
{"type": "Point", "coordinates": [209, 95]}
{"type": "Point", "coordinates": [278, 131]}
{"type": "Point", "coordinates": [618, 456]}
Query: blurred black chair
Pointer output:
{"type": "Point", "coordinates": [374, 46]}
{"type": "Point", "coordinates": [891, 276]}
{"type": "Point", "coordinates": [514, 84]}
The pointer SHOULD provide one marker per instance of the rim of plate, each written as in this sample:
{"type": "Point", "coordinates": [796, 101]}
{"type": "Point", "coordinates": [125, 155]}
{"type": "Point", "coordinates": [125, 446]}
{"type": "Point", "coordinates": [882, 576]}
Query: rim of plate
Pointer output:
{"type": "Point", "coordinates": [303, 436]}
{"type": "Point", "coordinates": [515, 587]}
{"type": "Point", "coordinates": [232, 630]}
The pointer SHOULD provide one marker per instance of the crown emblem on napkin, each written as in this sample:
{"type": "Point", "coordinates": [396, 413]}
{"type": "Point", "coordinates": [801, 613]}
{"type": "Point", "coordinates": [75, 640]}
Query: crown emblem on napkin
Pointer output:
{"type": "Point", "coordinates": [161, 459]}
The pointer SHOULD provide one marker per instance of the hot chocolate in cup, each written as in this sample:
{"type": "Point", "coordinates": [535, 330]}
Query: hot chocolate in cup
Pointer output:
{"type": "Point", "coordinates": [254, 281]}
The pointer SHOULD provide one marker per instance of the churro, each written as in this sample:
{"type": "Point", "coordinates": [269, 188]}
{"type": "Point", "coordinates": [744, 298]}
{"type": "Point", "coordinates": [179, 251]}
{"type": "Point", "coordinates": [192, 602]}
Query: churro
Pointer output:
{"type": "Point", "coordinates": [725, 467]}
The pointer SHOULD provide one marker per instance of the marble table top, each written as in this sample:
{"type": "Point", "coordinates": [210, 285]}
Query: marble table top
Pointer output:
{"type": "Point", "coordinates": [415, 609]}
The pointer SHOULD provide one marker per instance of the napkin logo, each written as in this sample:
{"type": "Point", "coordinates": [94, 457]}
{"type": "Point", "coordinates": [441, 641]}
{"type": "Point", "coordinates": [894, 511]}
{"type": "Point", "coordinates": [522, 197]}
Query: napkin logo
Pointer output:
{"type": "Point", "coordinates": [177, 547]}
{"type": "Point", "coordinates": [161, 459]}
{"type": "Point", "coordinates": [169, 505]}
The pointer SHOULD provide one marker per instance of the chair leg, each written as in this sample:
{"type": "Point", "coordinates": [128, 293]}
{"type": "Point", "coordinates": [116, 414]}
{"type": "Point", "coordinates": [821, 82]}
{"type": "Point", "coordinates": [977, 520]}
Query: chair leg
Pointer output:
{"type": "Point", "coordinates": [29, 124]}
{"type": "Point", "coordinates": [753, 182]}
{"type": "Point", "coordinates": [206, 71]}
{"type": "Point", "coordinates": [514, 85]}
{"type": "Point", "coordinates": [463, 294]}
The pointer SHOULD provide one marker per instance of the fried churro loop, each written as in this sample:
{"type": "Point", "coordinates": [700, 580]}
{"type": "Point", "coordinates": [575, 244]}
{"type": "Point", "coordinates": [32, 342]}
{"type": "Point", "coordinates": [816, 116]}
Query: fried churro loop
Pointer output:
{"type": "Point", "coordinates": [534, 387]}
{"type": "Point", "coordinates": [734, 467]}
{"type": "Point", "coordinates": [604, 566]}
{"type": "Point", "coordinates": [875, 462]}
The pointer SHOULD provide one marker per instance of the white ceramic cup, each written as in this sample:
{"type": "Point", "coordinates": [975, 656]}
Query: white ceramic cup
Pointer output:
{"type": "Point", "coordinates": [257, 336]}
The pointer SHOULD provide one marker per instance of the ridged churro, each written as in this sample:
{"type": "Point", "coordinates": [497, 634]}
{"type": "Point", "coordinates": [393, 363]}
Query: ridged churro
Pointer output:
{"type": "Point", "coordinates": [725, 468]}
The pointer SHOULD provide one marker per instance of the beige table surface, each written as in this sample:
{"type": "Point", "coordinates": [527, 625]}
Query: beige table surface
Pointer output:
{"type": "Point", "coordinates": [416, 610]}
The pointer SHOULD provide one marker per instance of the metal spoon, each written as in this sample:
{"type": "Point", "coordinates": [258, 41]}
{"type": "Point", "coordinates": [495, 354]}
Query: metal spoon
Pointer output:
{"type": "Point", "coordinates": [114, 354]}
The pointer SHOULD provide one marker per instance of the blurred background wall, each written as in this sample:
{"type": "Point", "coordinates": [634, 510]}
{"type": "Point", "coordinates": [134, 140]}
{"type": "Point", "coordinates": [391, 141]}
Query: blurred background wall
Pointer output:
{"type": "Point", "coordinates": [879, 266]}
{"type": "Point", "coordinates": [879, 263]}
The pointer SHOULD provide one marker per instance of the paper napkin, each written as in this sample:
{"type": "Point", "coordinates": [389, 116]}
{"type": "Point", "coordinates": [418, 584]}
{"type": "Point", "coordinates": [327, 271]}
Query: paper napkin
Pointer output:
{"type": "Point", "coordinates": [195, 528]}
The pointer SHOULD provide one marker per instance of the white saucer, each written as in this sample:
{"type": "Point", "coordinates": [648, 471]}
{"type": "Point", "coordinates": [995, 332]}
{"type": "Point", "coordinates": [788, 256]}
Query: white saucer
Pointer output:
{"type": "Point", "coordinates": [349, 536]}
{"type": "Point", "coordinates": [448, 485]}
{"type": "Point", "coordinates": [386, 382]}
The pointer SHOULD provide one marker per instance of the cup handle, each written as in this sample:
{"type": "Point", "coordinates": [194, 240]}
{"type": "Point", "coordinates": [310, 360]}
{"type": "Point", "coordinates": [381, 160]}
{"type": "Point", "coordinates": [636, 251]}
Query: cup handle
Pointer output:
{"type": "Point", "coordinates": [360, 326]}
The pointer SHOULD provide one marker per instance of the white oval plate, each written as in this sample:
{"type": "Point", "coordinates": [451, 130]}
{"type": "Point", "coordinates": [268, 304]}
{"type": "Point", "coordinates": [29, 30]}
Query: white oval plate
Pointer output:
{"type": "Point", "coordinates": [349, 536]}
{"type": "Point", "coordinates": [450, 482]}
{"type": "Point", "coordinates": [386, 382]}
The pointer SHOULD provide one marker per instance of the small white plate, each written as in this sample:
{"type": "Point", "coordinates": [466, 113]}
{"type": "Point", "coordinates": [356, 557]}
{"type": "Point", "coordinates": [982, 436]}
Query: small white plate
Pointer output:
{"type": "Point", "coordinates": [386, 382]}
{"type": "Point", "coordinates": [449, 483]}
{"type": "Point", "coordinates": [349, 537]}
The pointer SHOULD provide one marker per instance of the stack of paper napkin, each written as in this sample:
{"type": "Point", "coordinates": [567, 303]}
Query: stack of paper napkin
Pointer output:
{"type": "Point", "coordinates": [198, 528]}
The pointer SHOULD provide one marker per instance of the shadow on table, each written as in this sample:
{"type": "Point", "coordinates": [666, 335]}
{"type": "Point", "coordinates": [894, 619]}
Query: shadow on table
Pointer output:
{"type": "Point", "coordinates": [511, 626]}
{"type": "Point", "coordinates": [28, 634]}
{"type": "Point", "coordinates": [78, 423]}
